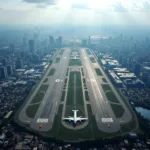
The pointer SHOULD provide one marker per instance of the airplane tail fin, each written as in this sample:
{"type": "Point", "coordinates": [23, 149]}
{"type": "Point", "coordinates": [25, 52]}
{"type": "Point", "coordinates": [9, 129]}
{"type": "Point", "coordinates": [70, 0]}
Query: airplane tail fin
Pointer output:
{"type": "Point", "coordinates": [75, 110]}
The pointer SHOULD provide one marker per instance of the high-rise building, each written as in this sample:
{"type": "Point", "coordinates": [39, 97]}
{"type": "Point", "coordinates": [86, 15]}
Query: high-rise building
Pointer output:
{"type": "Point", "coordinates": [89, 41]}
{"type": "Point", "coordinates": [19, 63]}
{"type": "Point", "coordinates": [11, 47]}
{"type": "Point", "coordinates": [3, 61]}
{"type": "Point", "coordinates": [84, 43]}
{"type": "Point", "coordinates": [51, 40]}
{"type": "Point", "coordinates": [31, 46]}
{"type": "Point", "coordinates": [9, 69]}
{"type": "Point", "coordinates": [59, 41]}
{"type": "Point", "coordinates": [3, 72]}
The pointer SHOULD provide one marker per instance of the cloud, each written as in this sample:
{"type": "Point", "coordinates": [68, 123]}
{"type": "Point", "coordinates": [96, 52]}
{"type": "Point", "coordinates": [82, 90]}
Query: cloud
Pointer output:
{"type": "Point", "coordinates": [41, 6]}
{"type": "Point", "coordinates": [36, 1]}
{"type": "Point", "coordinates": [80, 5]}
{"type": "Point", "coordinates": [146, 6]}
{"type": "Point", "coordinates": [118, 7]}
{"type": "Point", "coordinates": [47, 2]}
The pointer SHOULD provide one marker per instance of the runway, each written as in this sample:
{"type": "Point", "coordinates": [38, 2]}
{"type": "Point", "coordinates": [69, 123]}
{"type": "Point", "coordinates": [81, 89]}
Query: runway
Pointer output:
{"type": "Point", "coordinates": [49, 105]}
{"type": "Point", "coordinates": [100, 105]}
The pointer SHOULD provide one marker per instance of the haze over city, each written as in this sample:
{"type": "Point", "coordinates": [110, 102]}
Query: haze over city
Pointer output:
{"type": "Point", "coordinates": [75, 74]}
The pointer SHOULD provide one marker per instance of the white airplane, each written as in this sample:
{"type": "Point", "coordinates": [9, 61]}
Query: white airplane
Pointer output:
{"type": "Point", "coordinates": [75, 119]}
{"type": "Point", "coordinates": [75, 57]}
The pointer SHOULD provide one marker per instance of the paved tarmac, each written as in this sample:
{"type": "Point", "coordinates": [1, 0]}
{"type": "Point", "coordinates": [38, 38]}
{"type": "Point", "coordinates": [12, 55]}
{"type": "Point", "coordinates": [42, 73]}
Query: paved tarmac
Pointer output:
{"type": "Point", "coordinates": [49, 105]}
{"type": "Point", "coordinates": [100, 105]}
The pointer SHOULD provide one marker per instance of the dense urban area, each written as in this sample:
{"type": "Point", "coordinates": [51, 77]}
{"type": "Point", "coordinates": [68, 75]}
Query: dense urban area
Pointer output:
{"type": "Point", "coordinates": [125, 60]}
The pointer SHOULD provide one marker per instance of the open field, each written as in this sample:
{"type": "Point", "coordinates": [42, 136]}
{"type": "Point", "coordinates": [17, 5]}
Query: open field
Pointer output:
{"type": "Point", "coordinates": [92, 60]}
{"type": "Point", "coordinates": [106, 87]}
{"type": "Point", "coordinates": [73, 62]}
{"type": "Point", "coordinates": [91, 131]}
{"type": "Point", "coordinates": [32, 109]}
{"type": "Point", "coordinates": [45, 80]}
{"type": "Point", "coordinates": [117, 109]}
{"type": "Point", "coordinates": [88, 52]}
{"type": "Point", "coordinates": [82, 71]}
{"type": "Point", "coordinates": [109, 93]}
{"type": "Point", "coordinates": [104, 80]}
{"type": "Point", "coordinates": [98, 72]}
{"type": "Point", "coordinates": [57, 60]}
{"type": "Point", "coordinates": [67, 71]}
{"type": "Point", "coordinates": [51, 72]}
{"type": "Point", "coordinates": [78, 94]}
{"type": "Point", "coordinates": [63, 95]}
{"type": "Point", "coordinates": [40, 94]}
{"type": "Point", "coordinates": [61, 51]}
{"type": "Point", "coordinates": [87, 96]}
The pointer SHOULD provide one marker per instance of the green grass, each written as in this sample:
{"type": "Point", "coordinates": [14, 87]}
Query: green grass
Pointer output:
{"type": "Point", "coordinates": [69, 112]}
{"type": "Point", "coordinates": [109, 93]}
{"type": "Point", "coordinates": [91, 131]}
{"type": "Point", "coordinates": [45, 80]}
{"type": "Point", "coordinates": [40, 94]}
{"type": "Point", "coordinates": [73, 62]}
{"type": "Point", "coordinates": [111, 97]}
{"type": "Point", "coordinates": [106, 87]}
{"type": "Point", "coordinates": [31, 110]}
{"type": "Point", "coordinates": [51, 72]}
{"type": "Point", "coordinates": [82, 71]}
{"type": "Point", "coordinates": [43, 87]}
{"type": "Point", "coordinates": [92, 60]}
{"type": "Point", "coordinates": [99, 73]}
{"type": "Point", "coordinates": [66, 81]}
{"type": "Point", "coordinates": [57, 60]}
{"type": "Point", "coordinates": [104, 80]}
{"type": "Point", "coordinates": [63, 95]}
{"type": "Point", "coordinates": [88, 52]}
{"type": "Point", "coordinates": [67, 71]}
{"type": "Point", "coordinates": [79, 94]}
{"type": "Point", "coordinates": [127, 127]}
{"type": "Point", "coordinates": [118, 110]}
{"type": "Point", "coordinates": [38, 97]}
{"type": "Point", "coordinates": [84, 80]}
{"type": "Point", "coordinates": [61, 51]}
{"type": "Point", "coordinates": [87, 96]}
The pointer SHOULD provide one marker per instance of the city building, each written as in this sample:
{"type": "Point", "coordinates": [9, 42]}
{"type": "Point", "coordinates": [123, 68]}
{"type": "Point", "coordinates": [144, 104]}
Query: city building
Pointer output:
{"type": "Point", "coordinates": [31, 46]}
{"type": "Point", "coordinates": [19, 63]}
{"type": "Point", "coordinates": [121, 70]}
{"type": "Point", "coordinates": [11, 47]}
{"type": "Point", "coordinates": [126, 75]}
{"type": "Point", "coordinates": [3, 72]}
{"type": "Point", "coordinates": [115, 79]}
{"type": "Point", "coordinates": [51, 40]}
{"type": "Point", "coordinates": [59, 41]}
{"type": "Point", "coordinates": [133, 83]}
{"type": "Point", "coordinates": [9, 69]}
{"type": "Point", "coordinates": [84, 43]}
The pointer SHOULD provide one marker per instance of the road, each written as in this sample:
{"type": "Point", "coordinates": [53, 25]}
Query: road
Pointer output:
{"type": "Point", "coordinates": [49, 105]}
{"type": "Point", "coordinates": [100, 105]}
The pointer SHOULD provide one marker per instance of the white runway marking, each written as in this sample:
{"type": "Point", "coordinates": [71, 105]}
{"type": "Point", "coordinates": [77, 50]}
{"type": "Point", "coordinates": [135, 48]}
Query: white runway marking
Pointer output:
{"type": "Point", "coordinates": [107, 119]}
{"type": "Point", "coordinates": [42, 120]}
{"type": "Point", "coordinates": [58, 80]}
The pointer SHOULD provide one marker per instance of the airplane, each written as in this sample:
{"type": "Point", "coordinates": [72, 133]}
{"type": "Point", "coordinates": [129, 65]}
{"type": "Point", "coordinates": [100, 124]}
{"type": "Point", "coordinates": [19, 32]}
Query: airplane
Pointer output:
{"type": "Point", "coordinates": [75, 119]}
{"type": "Point", "coordinates": [75, 57]}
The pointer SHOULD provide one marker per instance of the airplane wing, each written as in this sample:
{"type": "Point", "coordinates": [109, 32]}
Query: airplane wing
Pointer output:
{"type": "Point", "coordinates": [69, 119]}
{"type": "Point", "coordinates": [81, 119]}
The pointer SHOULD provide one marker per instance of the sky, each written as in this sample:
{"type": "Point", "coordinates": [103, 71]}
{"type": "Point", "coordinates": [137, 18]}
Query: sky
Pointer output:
{"type": "Point", "coordinates": [75, 12]}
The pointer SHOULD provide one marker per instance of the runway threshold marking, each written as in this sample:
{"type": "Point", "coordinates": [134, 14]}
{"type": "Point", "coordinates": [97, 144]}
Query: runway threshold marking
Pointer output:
{"type": "Point", "coordinates": [42, 120]}
{"type": "Point", "coordinates": [107, 119]}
